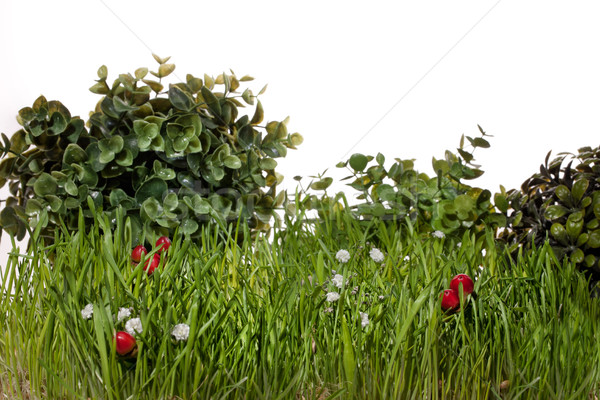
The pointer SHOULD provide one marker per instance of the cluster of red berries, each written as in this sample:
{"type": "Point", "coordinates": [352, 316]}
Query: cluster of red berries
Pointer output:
{"type": "Point", "coordinates": [163, 243]}
{"type": "Point", "coordinates": [125, 344]}
{"type": "Point", "coordinates": [450, 297]}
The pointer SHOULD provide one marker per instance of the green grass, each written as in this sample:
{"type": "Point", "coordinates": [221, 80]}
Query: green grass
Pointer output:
{"type": "Point", "coordinates": [261, 327]}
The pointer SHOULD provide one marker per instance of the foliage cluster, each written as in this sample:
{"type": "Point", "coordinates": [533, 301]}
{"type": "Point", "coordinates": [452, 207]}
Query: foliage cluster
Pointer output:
{"type": "Point", "coordinates": [443, 203]}
{"type": "Point", "coordinates": [560, 204]}
{"type": "Point", "coordinates": [170, 157]}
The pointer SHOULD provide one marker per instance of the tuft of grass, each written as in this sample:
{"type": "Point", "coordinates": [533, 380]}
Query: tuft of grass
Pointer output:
{"type": "Point", "coordinates": [261, 326]}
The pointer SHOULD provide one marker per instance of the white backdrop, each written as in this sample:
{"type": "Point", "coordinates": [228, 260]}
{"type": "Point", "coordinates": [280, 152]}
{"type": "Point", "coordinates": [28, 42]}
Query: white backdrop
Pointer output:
{"type": "Point", "coordinates": [402, 78]}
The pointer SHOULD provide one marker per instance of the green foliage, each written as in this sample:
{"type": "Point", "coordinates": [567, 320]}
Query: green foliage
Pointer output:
{"type": "Point", "coordinates": [176, 156]}
{"type": "Point", "coordinates": [262, 327]}
{"type": "Point", "coordinates": [441, 203]}
{"type": "Point", "coordinates": [560, 204]}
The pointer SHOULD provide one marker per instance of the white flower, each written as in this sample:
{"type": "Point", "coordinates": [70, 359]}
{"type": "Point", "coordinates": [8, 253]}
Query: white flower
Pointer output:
{"type": "Point", "coordinates": [338, 281]}
{"type": "Point", "coordinates": [123, 313]}
{"type": "Point", "coordinates": [87, 311]}
{"type": "Point", "coordinates": [364, 319]}
{"type": "Point", "coordinates": [483, 252]}
{"type": "Point", "coordinates": [376, 255]}
{"type": "Point", "coordinates": [333, 296]}
{"type": "Point", "coordinates": [459, 244]}
{"type": "Point", "coordinates": [133, 326]}
{"type": "Point", "coordinates": [342, 256]}
{"type": "Point", "coordinates": [181, 331]}
{"type": "Point", "coordinates": [438, 234]}
{"type": "Point", "coordinates": [407, 258]}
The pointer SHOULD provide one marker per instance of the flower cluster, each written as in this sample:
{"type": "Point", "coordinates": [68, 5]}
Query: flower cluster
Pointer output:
{"type": "Point", "coordinates": [181, 332]}
{"type": "Point", "coordinates": [133, 326]}
{"type": "Point", "coordinates": [376, 255]}
{"type": "Point", "coordinates": [438, 234]}
{"type": "Point", "coordinates": [342, 256]}
{"type": "Point", "coordinates": [87, 311]}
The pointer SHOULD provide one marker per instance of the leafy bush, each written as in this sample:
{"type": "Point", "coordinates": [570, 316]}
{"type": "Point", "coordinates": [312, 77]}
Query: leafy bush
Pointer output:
{"type": "Point", "coordinates": [441, 203]}
{"type": "Point", "coordinates": [175, 157]}
{"type": "Point", "coordinates": [560, 204]}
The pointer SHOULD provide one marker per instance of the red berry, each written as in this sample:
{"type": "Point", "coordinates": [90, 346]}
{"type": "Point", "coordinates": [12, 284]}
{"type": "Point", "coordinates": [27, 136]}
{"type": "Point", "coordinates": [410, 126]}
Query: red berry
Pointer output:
{"type": "Point", "coordinates": [151, 263]}
{"type": "Point", "coordinates": [124, 343]}
{"type": "Point", "coordinates": [450, 300]}
{"type": "Point", "coordinates": [163, 243]}
{"type": "Point", "coordinates": [138, 251]}
{"type": "Point", "coordinates": [465, 280]}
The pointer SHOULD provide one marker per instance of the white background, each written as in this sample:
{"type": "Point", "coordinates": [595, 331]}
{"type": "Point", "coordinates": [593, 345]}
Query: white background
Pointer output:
{"type": "Point", "coordinates": [402, 78]}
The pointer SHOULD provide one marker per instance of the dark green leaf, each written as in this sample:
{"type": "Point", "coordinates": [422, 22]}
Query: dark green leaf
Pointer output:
{"type": "Point", "coordinates": [188, 226]}
{"type": "Point", "coordinates": [564, 194]}
{"type": "Point", "coordinates": [234, 162]}
{"type": "Point", "coordinates": [480, 142]}
{"type": "Point", "coordinates": [246, 137]}
{"type": "Point", "coordinates": [554, 212]}
{"type": "Point", "coordinates": [121, 106]}
{"type": "Point", "coordinates": [117, 196]}
{"type": "Point", "coordinates": [358, 162]}
{"type": "Point", "coordinates": [267, 163]}
{"type": "Point", "coordinates": [322, 184]}
{"type": "Point", "coordinates": [154, 188]}
{"type": "Point", "coordinates": [211, 100]}
{"type": "Point", "coordinates": [99, 88]}
{"type": "Point", "coordinates": [577, 256]}
{"type": "Point", "coordinates": [180, 99]}
{"type": "Point", "coordinates": [579, 188]}
{"type": "Point", "coordinates": [58, 123]}
{"type": "Point", "coordinates": [594, 239]}
{"type": "Point", "coordinates": [45, 184]}
{"type": "Point", "coordinates": [151, 209]}
{"type": "Point", "coordinates": [74, 154]}
{"type": "Point", "coordinates": [559, 232]}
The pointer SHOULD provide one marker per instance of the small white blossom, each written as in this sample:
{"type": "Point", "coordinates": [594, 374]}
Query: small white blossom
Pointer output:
{"type": "Point", "coordinates": [87, 311]}
{"type": "Point", "coordinates": [328, 310]}
{"type": "Point", "coordinates": [407, 258]}
{"type": "Point", "coordinates": [381, 298]}
{"type": "Point", "coordinates": [438, 234]}
{"type": "Point", "coordinates": [342, 256]}
{"type": "Point", "coordinates": [376, 255]}
{"type": "Point", "coordinates": [333, 296]}
{"type": "Point", "coordinates": [459, 244]}
{"type": "Point", "coordinates": [364, 319]}
{"type": "Point", "coordinates": [123, 313]}
{"type": "Point", "coordinates": [483, 252]}
{"type": "Point", "coordinates": [181, 331]}
{"type": "Point", "coordinates": [133, 326]}
{"type": "Point", "coordinates": [338, 281]}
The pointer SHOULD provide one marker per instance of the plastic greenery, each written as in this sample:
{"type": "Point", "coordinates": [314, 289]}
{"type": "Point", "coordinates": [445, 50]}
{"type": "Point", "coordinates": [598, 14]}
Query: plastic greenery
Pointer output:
{"type": "Point", "coordinates": [170, 156]}
{"type": "Point", "coordinates": [560, 204]}
{"type": "Point", "coordinates": [399, 193]}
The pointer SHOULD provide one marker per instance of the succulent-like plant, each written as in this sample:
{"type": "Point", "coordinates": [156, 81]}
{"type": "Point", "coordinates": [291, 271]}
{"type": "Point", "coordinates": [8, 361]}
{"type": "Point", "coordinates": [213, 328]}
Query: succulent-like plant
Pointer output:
{"type": "Point", "coordinates": [560, 204]}
{"type": "Point", "coordinates": [169, 157]}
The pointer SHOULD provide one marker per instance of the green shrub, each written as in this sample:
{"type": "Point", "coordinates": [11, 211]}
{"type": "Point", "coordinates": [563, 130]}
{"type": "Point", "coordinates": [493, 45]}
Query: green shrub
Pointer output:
{"type": "Point", "coordinates": [443, 203]}
{"type": "Point", "coordinates": [176, 156]}
{"type": "Point", "coordinates": [561, 204]}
